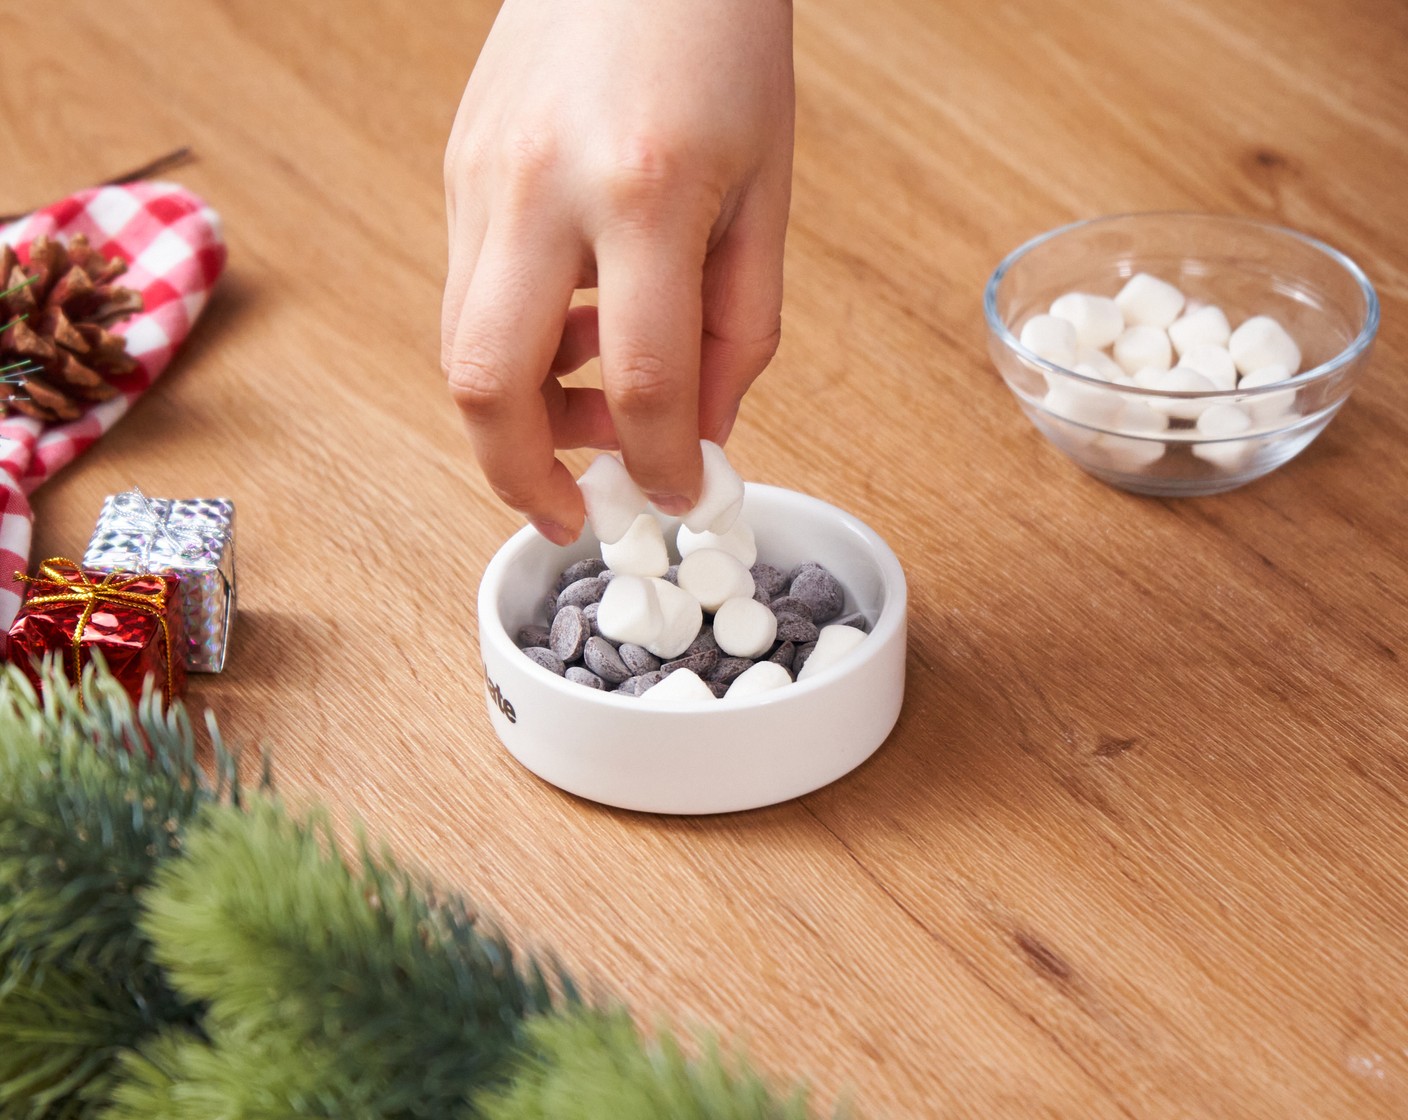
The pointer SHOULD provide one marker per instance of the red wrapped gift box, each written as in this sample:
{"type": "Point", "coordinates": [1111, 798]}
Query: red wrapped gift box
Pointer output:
{"type": "Point", "coordinates": [135, 620]}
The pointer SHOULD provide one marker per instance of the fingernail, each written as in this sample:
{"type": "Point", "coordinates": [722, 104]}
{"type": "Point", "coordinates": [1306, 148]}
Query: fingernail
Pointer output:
{"type": "Point", "coordinates": [672, 504]}
{"type": "Point", "coordinates": [554, 532]}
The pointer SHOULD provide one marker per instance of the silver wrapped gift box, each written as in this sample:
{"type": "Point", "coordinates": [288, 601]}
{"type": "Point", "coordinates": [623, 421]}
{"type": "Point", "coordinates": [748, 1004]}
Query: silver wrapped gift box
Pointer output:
{"type": "Point", "coordinates": [193, 537]}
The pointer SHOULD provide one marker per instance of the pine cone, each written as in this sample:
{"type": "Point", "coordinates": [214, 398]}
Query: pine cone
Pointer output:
{"type": "Point", "coordinates": [59, 336]}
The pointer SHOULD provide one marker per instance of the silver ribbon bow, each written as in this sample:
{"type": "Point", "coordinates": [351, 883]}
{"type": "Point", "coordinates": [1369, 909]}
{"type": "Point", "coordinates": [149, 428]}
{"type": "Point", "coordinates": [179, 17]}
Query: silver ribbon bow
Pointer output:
{"type": "Point", "coordinates": [138, 512]}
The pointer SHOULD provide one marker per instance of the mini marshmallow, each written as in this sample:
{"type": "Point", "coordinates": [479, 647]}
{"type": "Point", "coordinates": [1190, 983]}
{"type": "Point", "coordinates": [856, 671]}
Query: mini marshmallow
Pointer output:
{"type": "Point", "coordinates": [1148, 301]}
{"type": "Point", "coordinates": [1179, 379]}
{"type": "Point", "coordinates": [832, 644]}
{"type": "Point", "coordinates": [630, 611]}
{"type": "Point", "coordinates": [738, 541]}
{"type": "Point", "coordinates": [1097, 363]}
{"type": "Point", "coordinates": [681, 616]}
{"type": "Point", "coordinates": [1097, 319]}
{"type": "Point", "coordinates": [683, 686]}
{"type": "Point", "coordinates": [1223, 423]}
{"type": "Point", "coordinates": [612, 498]}
{"type": "Point", "coordinates": [721, 495]}
{"type": "Point", "coordinates": [745, 628]}
{"type": "Point", "coordinates": [641, 551]}
{"type": "Point", "coordinates": [713, 576]}
{"type": "Point", "coordinates": [1124, 448]}
{"type": "Point", "coordinates": [1207, 326]}
{"type": "Point", "coordinates": [765, 676]}
{"type": "Point", "coordinates": [1268, 409]}
{"type": "Point", "coordinates": [1261, 341]}
{"type": "Point", "coordinates": [1213, 362]}
{"type": "Point", "coordinates": [1142, 347]}
{"type": "Point", "coordinates": [1051, 338]}
{"type": "Point", "coordinates": [1087, 405]}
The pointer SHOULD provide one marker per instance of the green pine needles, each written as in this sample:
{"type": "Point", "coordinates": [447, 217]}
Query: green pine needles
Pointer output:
{"type": "Point", "coordinates": [86, 819]}
{"type": "Point", "coordinates": [173, 946]}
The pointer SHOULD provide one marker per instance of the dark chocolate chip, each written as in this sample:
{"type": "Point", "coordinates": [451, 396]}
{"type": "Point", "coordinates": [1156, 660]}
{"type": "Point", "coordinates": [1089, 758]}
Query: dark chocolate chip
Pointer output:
{"type": "Point", "coordinates": [577, 675]}
{"type": "Point", "coordinates": [570, 631]}
{"type": "Point", "coordinates": [727, 670]}
{"type": "Point", "coordinates": [546, 658]}
{"type": "Point", "coordinates": [601, 658]}
{"type": "Point", "coordinates": [638, 659]}
{"type": "Point", "coordinates": [533, 635]}
{"type": "Point", "coordinates": [703, 642]}
{"type": "Point", "coordinates": [768, 579]}
{"type": "Point", "coordinates": [700, 663]}
{"type": "Point", "coordinates": [788, 604]}
{"type": "Point", "coordinates": [795, 628]}
{"type": "Point", "coordinates": [820, 590]}
{"type": "Point", "coordinates": [856, 619]}
{"type": "Point", "coordinates": [589, 568]}
{"type": "Point", "coordinates": [581, 592]}
{"type": "Point", "coordinates": [591, 610]}
{"type": "Point", "coordinates": [799, 659]}
{"type": "Point", "coordinates": [672, 574]}
{"type": "Point", "coordinates": [634, 686]}
{"type": "Point", "coordinates": [783, 656]}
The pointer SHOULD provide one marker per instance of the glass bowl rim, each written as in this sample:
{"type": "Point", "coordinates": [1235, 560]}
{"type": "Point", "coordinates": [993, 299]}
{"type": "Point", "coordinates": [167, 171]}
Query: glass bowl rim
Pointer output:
{"type": "Point", "coordinates": [1368, 329]}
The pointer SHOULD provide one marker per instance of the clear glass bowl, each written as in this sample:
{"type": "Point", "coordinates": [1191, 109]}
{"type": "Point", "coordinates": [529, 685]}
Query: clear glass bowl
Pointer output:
{"type": "Point", "coordinates": [1247, 268]}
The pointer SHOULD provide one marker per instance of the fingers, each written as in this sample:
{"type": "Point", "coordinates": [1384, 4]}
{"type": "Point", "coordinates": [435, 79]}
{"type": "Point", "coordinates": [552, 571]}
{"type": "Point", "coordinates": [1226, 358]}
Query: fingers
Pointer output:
{"type": "Point", "coordinates": [742, 312]}
{"type": "Point", "coordinates": [580, 343]}
{"type": "Point", "coordinates": [509, 329]}
{"type": "Point", "coordinates": [466, 237]}
{"type": "Point", "coordinates": [579, 416]}
{"type": "Point", "coordinates": [650, 313]}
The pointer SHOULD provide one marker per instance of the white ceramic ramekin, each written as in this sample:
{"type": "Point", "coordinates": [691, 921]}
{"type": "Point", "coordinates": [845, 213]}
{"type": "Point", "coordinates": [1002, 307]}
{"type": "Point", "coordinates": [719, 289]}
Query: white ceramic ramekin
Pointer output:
{"type": "Point", "coordinates": [714, 756]}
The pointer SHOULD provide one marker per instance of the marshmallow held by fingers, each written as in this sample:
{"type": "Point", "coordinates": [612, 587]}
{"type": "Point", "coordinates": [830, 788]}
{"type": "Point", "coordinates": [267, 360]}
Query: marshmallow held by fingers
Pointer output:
{"type": "Point", "coordinates": [720, 495]}
{"type": "Point", "coordinates": [612, 498]}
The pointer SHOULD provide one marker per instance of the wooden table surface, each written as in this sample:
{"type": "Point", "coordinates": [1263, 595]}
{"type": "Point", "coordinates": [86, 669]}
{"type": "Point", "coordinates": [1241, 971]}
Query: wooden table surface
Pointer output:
{"type": "Point", "coordinates": [1137, 846]}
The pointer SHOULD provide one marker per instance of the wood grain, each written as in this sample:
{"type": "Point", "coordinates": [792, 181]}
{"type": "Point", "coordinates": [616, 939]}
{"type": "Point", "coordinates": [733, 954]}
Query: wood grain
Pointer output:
{"type": "Point", "coordinates": [1137, 846]}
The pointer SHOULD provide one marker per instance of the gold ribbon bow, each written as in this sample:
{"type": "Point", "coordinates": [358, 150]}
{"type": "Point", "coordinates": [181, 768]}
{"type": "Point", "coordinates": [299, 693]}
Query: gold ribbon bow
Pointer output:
{"type": "Point", "coordinates": [114, 591]}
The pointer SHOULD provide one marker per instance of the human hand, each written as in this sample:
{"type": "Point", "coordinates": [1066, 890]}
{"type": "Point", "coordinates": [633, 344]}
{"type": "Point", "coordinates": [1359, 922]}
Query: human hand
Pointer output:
{"type": "Point", "coordinates": [644, 149]}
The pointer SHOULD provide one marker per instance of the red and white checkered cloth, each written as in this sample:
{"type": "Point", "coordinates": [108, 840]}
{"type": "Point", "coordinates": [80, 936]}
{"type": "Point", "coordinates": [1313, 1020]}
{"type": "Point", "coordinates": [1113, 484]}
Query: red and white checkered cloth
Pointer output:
{"type": "Point", "coordinates": [175, 251]}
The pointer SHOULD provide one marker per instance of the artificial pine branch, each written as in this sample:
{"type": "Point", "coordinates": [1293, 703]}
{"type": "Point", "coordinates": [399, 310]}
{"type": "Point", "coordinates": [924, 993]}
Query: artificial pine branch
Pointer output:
{"type": "Point", "coordinates": [173, 950]}
{"type": "Point", "coordinates": [332, 989]}
{"type": "Point", "coordinates": [594, 1066]}
{"type": "Point", "coordinates": [92, 801]}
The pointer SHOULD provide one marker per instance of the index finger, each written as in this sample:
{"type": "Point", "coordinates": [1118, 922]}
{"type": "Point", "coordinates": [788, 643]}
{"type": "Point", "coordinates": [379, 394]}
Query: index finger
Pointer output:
{"type": "Point", "coordinates": [508, 332]}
